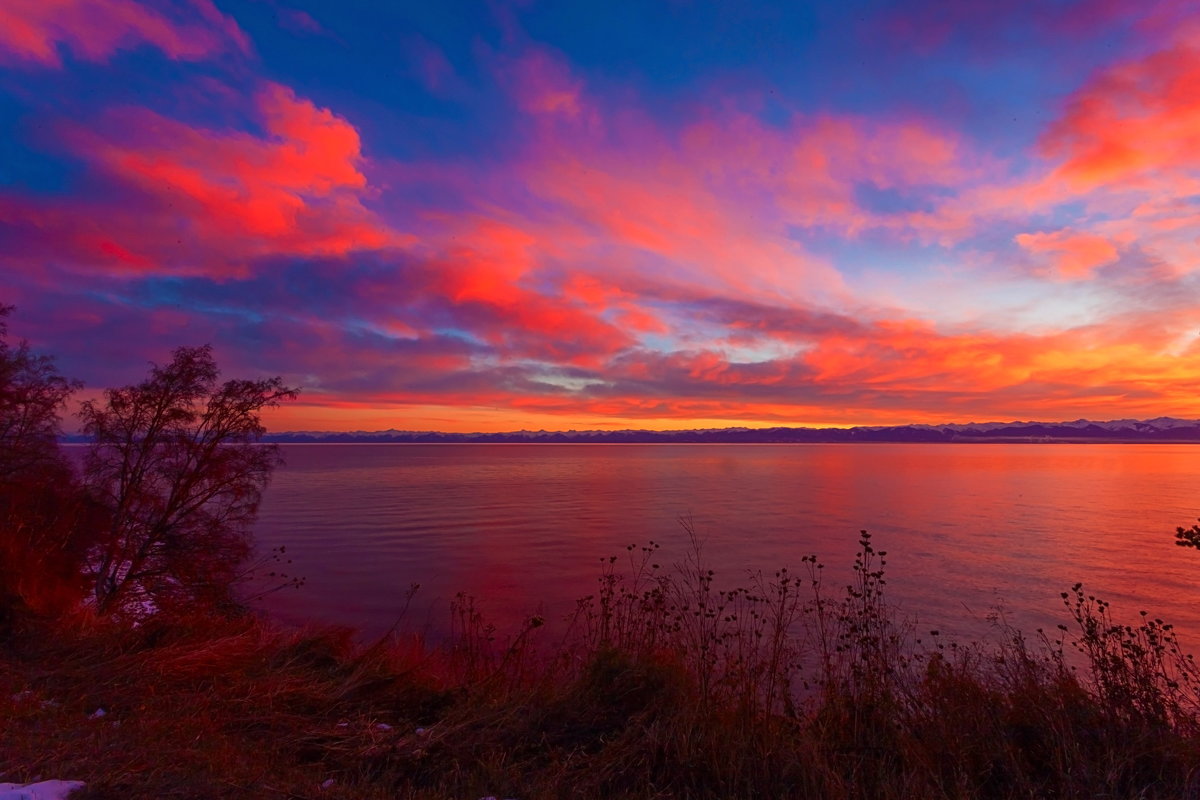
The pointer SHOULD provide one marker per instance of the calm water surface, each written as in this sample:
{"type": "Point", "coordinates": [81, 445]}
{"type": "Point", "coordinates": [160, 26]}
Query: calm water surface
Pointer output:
{"type": "Point", "coordinates": [523, 527]}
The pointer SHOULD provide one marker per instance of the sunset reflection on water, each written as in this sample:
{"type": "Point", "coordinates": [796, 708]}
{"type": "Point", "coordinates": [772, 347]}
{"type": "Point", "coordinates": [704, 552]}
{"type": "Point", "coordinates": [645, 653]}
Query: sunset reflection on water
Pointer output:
{"type": "Point", "coordinates": [967, 528]}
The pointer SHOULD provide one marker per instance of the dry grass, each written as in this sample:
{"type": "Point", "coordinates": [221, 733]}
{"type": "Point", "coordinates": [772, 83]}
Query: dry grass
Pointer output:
{"type": "Point", "coordinates": [668, 686]}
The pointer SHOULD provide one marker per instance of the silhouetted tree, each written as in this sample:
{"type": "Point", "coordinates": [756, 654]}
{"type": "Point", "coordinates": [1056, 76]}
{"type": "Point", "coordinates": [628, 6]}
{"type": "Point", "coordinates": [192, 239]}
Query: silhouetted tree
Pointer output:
{"type": "Point", "coordinates": [42, 538]}
{"type": "Point", "coordinates": [32, 394]}
{"type": "Point", "coordinates": [176, 462]}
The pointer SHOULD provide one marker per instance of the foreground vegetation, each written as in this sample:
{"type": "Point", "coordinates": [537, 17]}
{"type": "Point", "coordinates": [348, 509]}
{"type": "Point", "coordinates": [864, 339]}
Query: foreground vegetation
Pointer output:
{"type": "Point", "coordinates": [127, 662]}
{"type": "Point", "coordinates": [665, 686]}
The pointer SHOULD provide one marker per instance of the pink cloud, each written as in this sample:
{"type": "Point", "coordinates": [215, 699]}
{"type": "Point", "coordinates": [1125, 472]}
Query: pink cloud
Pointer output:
{"type": "Point", "coordinates": [718, 203]}
{"type": "Point", "coordinates": [32, 31]}
{"type": "Point", "coordinates": [1125, 153]}
{"type": "Point", "coordinates": [1127, 149]}
{"type": "Point", "coordinates": [1137, 120]}
{"type": "Point", "coordinates": [431, 66]}
{"type": "Point", "coordinates": [299, 21]}
{"type": "Point", "coordinates": [1072, 254]}
{"type": "Point", "coordinates": [541, 83]}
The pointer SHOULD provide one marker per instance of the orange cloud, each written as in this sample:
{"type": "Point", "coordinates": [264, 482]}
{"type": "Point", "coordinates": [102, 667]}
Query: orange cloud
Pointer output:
{"type": "Point", "coordinates": [898, 371]}
{"type": "Point", "coordinates": [32, 31]}
{"type": "Point", "coordinates": [1134, 364]}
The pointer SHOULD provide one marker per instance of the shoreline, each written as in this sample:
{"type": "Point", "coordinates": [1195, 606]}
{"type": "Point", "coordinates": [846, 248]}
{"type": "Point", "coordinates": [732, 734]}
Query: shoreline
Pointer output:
{"type": "Point", "coordinates": [670, 686]}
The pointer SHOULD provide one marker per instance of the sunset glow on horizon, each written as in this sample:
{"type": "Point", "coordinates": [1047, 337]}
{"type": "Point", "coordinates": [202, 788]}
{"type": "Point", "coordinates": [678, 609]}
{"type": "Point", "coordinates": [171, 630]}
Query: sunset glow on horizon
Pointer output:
{"type": "Point", "coordinates": [494, 216]}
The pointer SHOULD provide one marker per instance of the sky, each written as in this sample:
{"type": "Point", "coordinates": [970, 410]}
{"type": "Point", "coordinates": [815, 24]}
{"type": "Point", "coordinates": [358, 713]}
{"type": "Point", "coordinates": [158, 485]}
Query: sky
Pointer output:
{"type": "Point", "coordinates": [490, 216]}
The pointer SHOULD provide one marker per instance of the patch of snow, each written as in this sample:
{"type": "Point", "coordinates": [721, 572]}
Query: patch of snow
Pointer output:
{"type": "Point", "coordinates": [97, 714]}
{"type": "Point", "coordinates": [383, 726]}
{"type": "Point", "coordinates": [43, 790]}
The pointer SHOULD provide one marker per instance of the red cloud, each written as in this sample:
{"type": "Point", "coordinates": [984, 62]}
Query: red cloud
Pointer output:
{"type": "Point", "coordinates": [239, 185]}
{"type": "Point", "coordinates": [93, 30]}
{"type": "Point", "coordinates": [209, 200]}
{"type": "Point", "coordinates": [487, 278]}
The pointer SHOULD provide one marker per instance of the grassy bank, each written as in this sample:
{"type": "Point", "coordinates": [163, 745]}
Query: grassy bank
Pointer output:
{"type": "Point", "coordinates": [668, 684]}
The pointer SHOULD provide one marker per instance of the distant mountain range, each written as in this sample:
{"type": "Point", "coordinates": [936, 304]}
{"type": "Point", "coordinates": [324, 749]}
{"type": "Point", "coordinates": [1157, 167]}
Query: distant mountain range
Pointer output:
{"type": "Point", "coordinates": [1161, 429]}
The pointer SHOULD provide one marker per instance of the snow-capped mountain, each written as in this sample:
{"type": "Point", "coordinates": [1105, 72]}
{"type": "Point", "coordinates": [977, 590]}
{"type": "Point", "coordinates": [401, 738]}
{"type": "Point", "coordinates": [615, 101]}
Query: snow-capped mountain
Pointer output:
{"type": "Point", "coordinates": [1159, 429]}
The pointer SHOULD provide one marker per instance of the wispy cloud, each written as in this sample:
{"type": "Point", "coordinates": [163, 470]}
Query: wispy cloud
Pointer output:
{"type": "Point", "coordinates": [36, 32]}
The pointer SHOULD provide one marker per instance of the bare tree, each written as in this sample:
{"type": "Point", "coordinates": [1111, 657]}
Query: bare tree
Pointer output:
{"type": "Point", "coordinates": [177, 463]}
{"type": "Point", "coordinates": [32, 393]}
{"type": "Point", "coordinates": [42, 535]}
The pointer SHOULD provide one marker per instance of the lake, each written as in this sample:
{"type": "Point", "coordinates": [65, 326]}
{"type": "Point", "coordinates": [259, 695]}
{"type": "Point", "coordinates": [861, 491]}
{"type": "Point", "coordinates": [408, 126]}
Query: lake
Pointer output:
{"type": "Point", "coordinates": [968, 528]}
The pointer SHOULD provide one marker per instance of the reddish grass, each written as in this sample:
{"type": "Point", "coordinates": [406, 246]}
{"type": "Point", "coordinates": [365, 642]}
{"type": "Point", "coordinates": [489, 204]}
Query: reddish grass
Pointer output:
{"type": "Point", "coordinates": [668, 686]}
